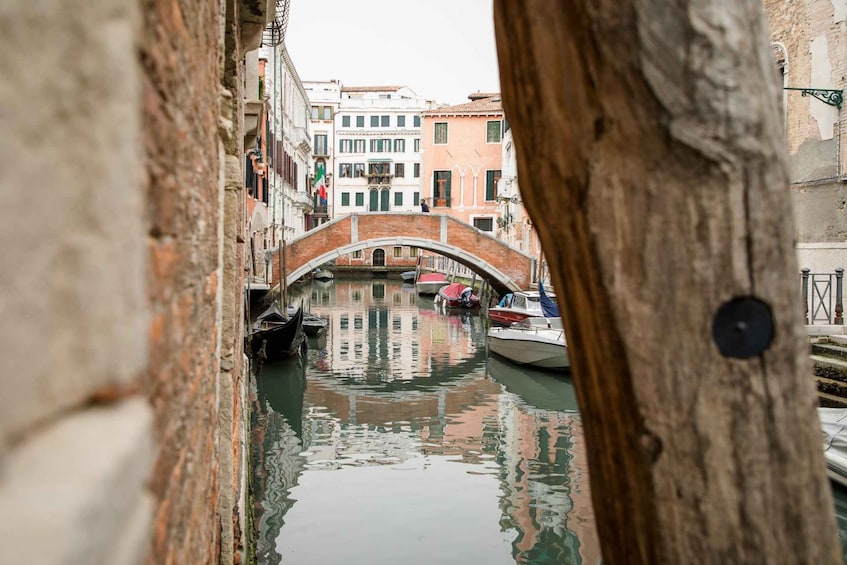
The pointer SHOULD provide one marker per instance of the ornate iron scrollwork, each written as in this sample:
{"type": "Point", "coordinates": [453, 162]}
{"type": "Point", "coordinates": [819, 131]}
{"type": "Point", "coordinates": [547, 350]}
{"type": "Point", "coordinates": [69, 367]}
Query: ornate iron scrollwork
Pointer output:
{"type": "Point", "coordinates": [825, 95]}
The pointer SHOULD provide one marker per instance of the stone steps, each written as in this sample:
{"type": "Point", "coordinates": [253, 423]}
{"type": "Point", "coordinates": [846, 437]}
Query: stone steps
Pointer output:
{"type": "Point", "coordinates": [829, 359]}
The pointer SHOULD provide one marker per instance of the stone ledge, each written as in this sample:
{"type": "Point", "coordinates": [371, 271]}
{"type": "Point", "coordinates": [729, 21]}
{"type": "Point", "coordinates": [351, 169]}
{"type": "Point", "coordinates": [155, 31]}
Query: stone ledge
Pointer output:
{"type": "Point", "coordinates": [73, 493]}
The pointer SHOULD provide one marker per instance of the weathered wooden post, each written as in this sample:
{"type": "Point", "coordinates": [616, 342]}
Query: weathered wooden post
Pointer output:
{"type": "Point", "coordinates": [804, 273]}
{"type": "Point", "coordinates": [839, 296]}
{"type": "Point", "coordinates": [650, 140]}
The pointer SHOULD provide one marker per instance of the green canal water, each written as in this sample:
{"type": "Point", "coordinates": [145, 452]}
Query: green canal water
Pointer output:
{"type": "Point", "coordinates": [395, 439]}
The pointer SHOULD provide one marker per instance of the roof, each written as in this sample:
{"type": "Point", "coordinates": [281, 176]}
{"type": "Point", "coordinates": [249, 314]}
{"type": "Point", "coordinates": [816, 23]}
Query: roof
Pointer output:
{"type": "Point", "coordinates": [489, 105]}
{"type": "Point", "coordinates": [370, 88]}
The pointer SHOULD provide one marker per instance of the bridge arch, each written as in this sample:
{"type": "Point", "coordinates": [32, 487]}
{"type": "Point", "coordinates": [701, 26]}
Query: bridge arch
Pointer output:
{"type": "Point", "coordinates": [506, 268]}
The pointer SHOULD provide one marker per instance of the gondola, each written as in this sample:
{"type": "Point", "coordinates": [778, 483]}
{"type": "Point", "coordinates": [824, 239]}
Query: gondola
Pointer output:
{"type": "Point", "coordinates": [275, 335]}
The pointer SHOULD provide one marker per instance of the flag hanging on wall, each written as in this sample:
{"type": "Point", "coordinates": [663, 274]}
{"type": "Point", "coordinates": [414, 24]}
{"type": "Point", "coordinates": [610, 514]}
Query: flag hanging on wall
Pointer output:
{"type": "Point", "coordinates": [320, 185]}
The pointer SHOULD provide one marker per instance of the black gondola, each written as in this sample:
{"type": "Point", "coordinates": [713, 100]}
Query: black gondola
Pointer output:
{"type": "Point", "coordinates": [277, 336]}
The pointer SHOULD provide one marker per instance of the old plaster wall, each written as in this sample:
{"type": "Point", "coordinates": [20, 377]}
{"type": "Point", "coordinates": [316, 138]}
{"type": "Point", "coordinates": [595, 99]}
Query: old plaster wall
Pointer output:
{"type": "Point", "coordinates": [812, 37]}
{"type": "Point", "coordinates": [123, 418]}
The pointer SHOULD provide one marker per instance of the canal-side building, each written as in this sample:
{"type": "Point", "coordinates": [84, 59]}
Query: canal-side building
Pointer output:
{"type": "Point", "coordinates": [462, 159]}
{"type": "Point", "coordinates": [289, 147]}
{"type": "Point", "coordinates": [809, 41]}
{"type": "Point", "coordinates": [324, 97]}
{"type": "Point", "coordinates": [514, 226]}
{"type": "Point", "coordinates": [378, 152]}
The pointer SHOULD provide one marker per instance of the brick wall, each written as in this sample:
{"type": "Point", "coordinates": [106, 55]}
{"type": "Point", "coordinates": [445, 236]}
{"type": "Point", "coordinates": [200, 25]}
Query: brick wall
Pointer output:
{"type": "Point", "coordinates": [182, 75]}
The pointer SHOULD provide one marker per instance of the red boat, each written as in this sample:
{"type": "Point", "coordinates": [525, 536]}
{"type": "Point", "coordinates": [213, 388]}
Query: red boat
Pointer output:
{"type": "Point", "coordinates": [457, 295]}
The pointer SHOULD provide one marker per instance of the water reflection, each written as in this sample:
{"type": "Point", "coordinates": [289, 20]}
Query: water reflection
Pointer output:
{"type": "Point", "coordinates": [409, 444]}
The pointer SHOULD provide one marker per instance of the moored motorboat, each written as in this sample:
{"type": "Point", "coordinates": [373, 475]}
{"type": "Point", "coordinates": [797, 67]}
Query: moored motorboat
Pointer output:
{"type": "Point", "coordinates": [276, 335]}
{"type": "Point", "coordinates": [834, 426]}
{"type": "Point", "coordinates": [537, 341]}
{"type": "Point", "coordinates": [408, 276]}
{"type": "Point", "coordinates": [322, 275]}
{"type": "Point", "coordinates": [429, 283]}
{"type": "Point", "coordinates": [313, 325]}
{"type": "Point", "coordinates": [518, 306]}
{"type": "Point", "coordinates": [457, 295]}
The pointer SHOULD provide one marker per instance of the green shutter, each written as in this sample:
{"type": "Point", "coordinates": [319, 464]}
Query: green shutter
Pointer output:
{"type": "Point", "coordinates": [345, 198]}
{"type": "Point", "coordinates": [447, 195]}
{"type": "Point", "coordinates": [374, 203]}
{"type": "Point", "coordinates": [489, 185]}
{"type": "Point", "coordinates": [384, 200]}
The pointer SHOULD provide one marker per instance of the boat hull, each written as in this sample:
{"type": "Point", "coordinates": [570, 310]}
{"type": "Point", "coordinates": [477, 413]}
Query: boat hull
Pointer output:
{"type": "Point", "coordinates": [457, 295]}
{"type": "Point", "coordinates": [277, 341]}
{"type": "Point", "coordinates": [506, 316]}
{"type": "Point", "coordinates": [542, 348]}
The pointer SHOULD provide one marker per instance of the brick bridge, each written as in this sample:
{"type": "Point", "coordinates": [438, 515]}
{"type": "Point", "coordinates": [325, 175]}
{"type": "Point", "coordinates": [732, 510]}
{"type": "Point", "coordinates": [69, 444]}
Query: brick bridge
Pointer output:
{"type": "Point", "coordinates": [503, 266]}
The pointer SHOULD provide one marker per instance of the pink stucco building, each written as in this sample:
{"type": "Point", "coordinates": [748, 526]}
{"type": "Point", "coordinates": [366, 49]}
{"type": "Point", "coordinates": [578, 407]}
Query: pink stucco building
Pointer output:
{"type": "Point", "coordinates": [462, 159]}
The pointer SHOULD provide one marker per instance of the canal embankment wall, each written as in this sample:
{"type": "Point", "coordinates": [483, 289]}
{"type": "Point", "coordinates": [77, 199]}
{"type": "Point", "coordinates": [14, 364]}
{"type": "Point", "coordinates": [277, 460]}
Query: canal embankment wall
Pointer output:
{"type": "Point", "coordinates": [123, 423]}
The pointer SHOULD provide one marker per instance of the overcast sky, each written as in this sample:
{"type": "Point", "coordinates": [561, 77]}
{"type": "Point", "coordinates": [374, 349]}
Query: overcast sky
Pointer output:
{"type": "Point", "coordinates": [441, 49]}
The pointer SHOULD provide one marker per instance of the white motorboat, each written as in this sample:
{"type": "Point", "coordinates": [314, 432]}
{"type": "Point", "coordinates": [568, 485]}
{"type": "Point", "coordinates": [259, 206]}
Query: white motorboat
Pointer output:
{"type": "Point", "coordinates": [428, 284]}
{"type": "Point", "coordinates": [535, 341]}
{"type": "Point", "coordinates": [834, 426]}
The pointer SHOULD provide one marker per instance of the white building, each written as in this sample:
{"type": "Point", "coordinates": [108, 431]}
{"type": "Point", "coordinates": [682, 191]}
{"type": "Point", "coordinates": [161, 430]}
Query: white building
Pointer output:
{"type": "Point", "coordinates": [289, 147]}
{"type": "Point", "coordinates": [325, 97]}
{"type": "Point", "coordinates": [375, 153]}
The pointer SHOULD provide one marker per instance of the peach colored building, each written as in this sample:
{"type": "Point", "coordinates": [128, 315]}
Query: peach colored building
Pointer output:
{"type": "Point", "coordinates": [462, 159]}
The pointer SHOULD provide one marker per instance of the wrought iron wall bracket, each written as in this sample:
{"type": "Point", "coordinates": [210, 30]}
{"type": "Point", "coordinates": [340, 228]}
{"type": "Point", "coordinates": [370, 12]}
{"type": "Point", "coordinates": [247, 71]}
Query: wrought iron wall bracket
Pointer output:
{"type": "Point", "coordinates": [825, 95]}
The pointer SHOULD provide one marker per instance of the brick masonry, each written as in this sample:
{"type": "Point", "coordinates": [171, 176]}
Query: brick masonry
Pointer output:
{"type": "Point", "coordinates": [434, 230]}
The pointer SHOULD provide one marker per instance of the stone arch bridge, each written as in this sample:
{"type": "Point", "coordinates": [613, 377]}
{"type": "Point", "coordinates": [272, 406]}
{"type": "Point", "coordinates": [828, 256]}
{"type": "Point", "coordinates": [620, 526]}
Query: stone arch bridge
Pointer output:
{"type": "Point", "coordinates": [506, 268]}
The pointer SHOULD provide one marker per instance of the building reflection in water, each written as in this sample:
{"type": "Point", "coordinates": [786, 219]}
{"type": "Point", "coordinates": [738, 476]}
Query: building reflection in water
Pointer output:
{"type": "Point", "coordinates": [396, 385]}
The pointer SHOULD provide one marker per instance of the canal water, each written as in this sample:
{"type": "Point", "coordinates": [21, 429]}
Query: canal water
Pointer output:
{"type": "Point", "coordinates": [395, 439]}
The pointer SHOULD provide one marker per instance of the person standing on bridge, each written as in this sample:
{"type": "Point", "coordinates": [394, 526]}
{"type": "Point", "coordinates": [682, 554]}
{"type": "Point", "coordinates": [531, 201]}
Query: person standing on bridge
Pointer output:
{"type": "Point", "coordinates": [424, 206]}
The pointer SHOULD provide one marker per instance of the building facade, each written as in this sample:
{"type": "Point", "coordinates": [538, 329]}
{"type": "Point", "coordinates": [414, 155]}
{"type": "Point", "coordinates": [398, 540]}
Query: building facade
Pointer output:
{"type": "Point", "coordinates": [324, 98]}
{"type": "Point", "coordinates": [809, 40]}
{"type": "Point", "coordinates": [462, 159]}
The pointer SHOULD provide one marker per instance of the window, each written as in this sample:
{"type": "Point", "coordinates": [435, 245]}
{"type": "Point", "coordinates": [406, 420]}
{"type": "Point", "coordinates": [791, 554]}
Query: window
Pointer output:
{"type": "Point", "coordinates": [416, 199]}
{"type": "Point", "coordinates": [381, 146]}
{"type": "Point", "coordinates": [360, 199]}
{"type": "Point", "coordinates": [398, 252]}
{"type": "Point", "coordinates": [345, 198]}
{"type": "Point", "coordinates": [358, 146]}
{"type": "Point", "coordinates": [345, 170]}
{"type": "Point", "coordinates": [320, 144]}
{"type": "Point", "coordinates": [345, 121]}
{"type": "Point", "coordinates": [491, 178]}
{"type": "Point", "coordinates": [399, 145]}
{"type": "Point", "coordinates": [374, 121]}
{"type": "Point", "coordinates": [358, 170]}
{"type": "Point", "coordinates": [441, 188]}
{"type": "Point", "coordinates": [484, 224]}
{"type": "Point", "coordinates": [416, 121]}
{"type": "Point", "coordinates": [416, 172]}
{"type": "Point", "coordinates": [413, 252]}
{"type": "Point", "coordinates": [385, 121]}
{"type": "Point", "coordinates": [398, 200]}
{"type": "Point", "coordinates": [493, 131]}
{"type": "Point", "coordinates": [345, 145]}
{"type": "Point", "coordinates": [357, 254]}
{"type": "Point", "coordinates": [360, 121]}
{"type": "Point", "coordinates": [440, 137]}
{"type": "Point", "coordinates": [314, 112]}
{"type": "Point", "coordinates": [399, 170]}
{"type": "Point", "coordinates": [417, 145]}
{"type": "Point", "coordinates": [401, 121]}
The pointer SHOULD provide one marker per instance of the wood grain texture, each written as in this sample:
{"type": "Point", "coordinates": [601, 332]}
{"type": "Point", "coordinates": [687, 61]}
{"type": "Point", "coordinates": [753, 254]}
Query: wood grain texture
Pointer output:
{"type": "Point", "coordinates": [652, 131]}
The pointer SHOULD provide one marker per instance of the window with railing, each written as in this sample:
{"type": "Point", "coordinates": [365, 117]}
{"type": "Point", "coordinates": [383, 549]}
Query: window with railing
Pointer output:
{"type": "Point", "coordinates": [441, 188]}
{"type": "Point", "coordinates": [379, 173]}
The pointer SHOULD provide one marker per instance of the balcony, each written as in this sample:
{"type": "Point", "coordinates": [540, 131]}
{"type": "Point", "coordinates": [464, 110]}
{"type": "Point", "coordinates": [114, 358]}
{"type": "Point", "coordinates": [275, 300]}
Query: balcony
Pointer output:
{"type": "Point", "coordinates": [379, 179]}
{"type": "Point", "coordinates": [303, 200]}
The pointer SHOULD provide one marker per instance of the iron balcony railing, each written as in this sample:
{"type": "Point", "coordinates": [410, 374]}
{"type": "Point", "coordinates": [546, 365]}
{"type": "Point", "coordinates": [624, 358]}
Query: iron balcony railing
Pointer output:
{"type": "Point", "coordinates": [823, 297]}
